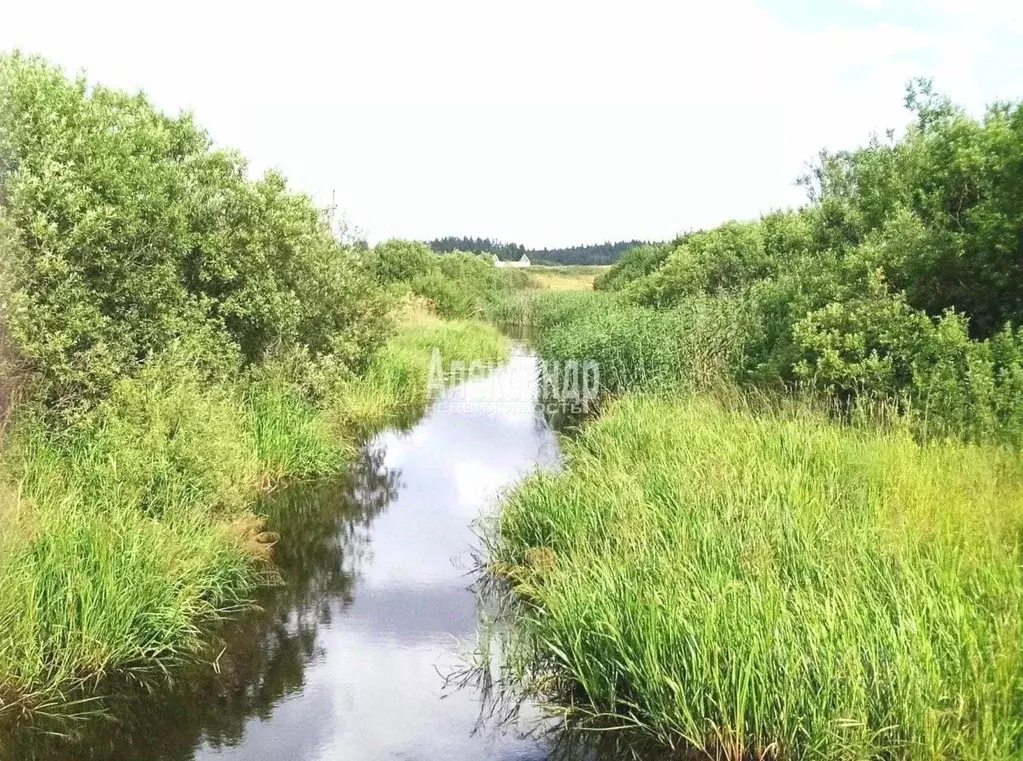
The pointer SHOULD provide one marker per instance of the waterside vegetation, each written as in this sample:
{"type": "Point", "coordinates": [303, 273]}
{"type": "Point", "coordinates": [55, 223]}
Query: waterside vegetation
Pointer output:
{"type": "Point", "coordinates": [795, 531]}
{"type": "Point", "coordinates": [176, 338]}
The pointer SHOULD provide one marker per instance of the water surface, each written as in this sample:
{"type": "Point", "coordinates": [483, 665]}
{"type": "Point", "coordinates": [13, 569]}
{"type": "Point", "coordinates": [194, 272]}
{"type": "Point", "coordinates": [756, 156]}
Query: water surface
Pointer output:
{"type": "Point", "coordinates": [349, 658]}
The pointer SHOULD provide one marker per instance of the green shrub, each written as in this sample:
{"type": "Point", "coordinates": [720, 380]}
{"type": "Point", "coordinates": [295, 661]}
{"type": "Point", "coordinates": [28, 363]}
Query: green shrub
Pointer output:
{"type": "Point", "coordinates": [973, 389]}
{"type": "Point", "coordinates": [130, 232]}
{"type": "Point", "coordinates": [458, 284]}
{"type": "Point", "coordinates": [635, 263]}
{"type": "Point", "coordinates": [951, 179]}
{"type": "Point", "coordinates": [889, 285]}
{"type": "Point", "coordinates": [516, 279]}
{"type": "Point", "coordinates": [9, 361]}
{"type": "Point", "coordinates": [863, 344]}
{"type": "Point", "coordinates": [401, 261]}
{"type": "Point", "coordinates": [706, 263]}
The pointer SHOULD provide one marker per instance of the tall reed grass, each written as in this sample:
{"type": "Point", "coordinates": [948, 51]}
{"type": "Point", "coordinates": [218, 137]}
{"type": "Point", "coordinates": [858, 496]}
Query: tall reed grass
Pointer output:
{"type": "Point", "coordinates": [695, 346]}
{"type": "Point", "coordinates": [770, 584]}
{"type": "Point", "coordinates": [395, 387]}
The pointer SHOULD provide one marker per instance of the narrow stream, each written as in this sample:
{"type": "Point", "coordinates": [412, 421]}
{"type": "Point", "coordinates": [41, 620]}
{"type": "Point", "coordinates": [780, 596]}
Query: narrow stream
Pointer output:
{"type": "Point", "coordinates": [348, 659]}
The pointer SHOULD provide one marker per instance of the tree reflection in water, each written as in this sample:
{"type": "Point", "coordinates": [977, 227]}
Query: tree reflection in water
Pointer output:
{"type": "Point", "coordinates": [255, 662]}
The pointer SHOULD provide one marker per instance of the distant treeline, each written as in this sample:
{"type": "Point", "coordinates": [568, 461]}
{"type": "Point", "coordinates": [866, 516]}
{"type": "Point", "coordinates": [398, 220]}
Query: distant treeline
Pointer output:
{"type": "Point", "coordinates": [597, 253]}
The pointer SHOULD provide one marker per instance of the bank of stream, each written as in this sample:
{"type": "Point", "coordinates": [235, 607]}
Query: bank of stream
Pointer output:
{"type": "Point", "coordinates": [350, 657]}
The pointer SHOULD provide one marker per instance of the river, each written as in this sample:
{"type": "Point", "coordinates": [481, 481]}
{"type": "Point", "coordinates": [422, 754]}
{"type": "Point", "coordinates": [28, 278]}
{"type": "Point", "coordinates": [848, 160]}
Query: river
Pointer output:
{"type": "Point", "coordinates": [350, 657]}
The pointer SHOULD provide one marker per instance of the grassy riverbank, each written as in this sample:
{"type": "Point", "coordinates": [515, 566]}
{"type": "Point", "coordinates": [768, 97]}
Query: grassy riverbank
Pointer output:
{"type": "Point", "coordinates": [124, 541]}
{"type": "Point", "coordinates": [758, 583]}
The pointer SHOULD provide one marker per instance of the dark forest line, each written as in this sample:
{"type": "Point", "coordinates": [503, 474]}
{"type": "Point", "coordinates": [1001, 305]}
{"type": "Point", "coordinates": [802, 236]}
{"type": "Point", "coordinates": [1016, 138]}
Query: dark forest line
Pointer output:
{"type": "Point", "coordinates": [595, 253]}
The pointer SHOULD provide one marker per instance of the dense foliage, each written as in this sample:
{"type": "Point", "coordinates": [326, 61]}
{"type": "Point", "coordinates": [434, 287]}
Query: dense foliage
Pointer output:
{"type": "Point", "coordinates": [181, 337]}
{"type": "Point", "coordinates": [128, 232]}
{"type": "Point", "coordinates": [813, 565]}
{"type": "Point", "coordinates": [745, 583]}
{"type": "Point", "coordinates": [597, 253]}
{"type": "Point", "coordinates": [901, 279]}
{"type": "Point", "coordinates": [459, 284]}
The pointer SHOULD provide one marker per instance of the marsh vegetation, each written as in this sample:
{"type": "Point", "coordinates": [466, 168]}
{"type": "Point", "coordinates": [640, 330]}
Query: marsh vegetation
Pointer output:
{"type": "Point", "coordinates": [181, 338]}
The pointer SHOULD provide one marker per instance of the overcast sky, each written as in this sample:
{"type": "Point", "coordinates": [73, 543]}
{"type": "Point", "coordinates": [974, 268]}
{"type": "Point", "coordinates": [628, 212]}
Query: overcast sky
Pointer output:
{"type": "Point", "coordinates": [535, 121]}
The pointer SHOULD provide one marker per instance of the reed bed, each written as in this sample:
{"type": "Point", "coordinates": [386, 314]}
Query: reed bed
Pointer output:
{"type": "Point", "coordinates": [743, 583]}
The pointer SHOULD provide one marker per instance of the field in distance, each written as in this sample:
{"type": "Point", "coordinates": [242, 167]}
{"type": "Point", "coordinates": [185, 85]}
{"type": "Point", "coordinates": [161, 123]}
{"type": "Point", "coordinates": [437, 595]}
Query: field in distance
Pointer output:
{"type": "Point", "coordinates": [566, 278]}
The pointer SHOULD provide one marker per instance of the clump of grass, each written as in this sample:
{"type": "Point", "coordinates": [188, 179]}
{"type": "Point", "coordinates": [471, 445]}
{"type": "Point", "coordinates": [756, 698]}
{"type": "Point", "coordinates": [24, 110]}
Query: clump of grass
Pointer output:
{"type": "Point", "coordinates": [292, 435]}
{"type": "Point", "coordinates": [774, 584]}
{"type": "Point", "coordinates": [692, 347]}
{"type": "Point", "coordinates": [90, 592]}
{"type": "Point", "coordinates": [125, 541]}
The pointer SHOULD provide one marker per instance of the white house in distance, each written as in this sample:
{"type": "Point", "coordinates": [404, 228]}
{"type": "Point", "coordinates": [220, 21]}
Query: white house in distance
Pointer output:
{"type": "Point", "coordinates": [522, 262]}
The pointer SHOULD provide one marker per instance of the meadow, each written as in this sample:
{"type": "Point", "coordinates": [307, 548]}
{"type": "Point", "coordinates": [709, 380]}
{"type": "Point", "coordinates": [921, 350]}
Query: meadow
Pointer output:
{"type": "Point", "coordinates": [566, 278]}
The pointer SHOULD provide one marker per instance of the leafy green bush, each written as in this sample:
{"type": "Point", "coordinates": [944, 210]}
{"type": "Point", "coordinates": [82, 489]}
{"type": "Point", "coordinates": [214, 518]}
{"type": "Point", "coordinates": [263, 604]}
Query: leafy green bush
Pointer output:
{"type": "Point", "coordinates": [401, 261]}
{"type": "Point", "coordinates": [707, 262]}
{"type": "Point", "coordinates": [458, 284]}
{"type": "Point", "coordinates": [900, 280]}
{"type": "Point", "coordinates": [131, 232]}
{"type": "Point", "coordinates": [863, 344]}
{"type": "Point", "coordinates": [952, 184]}
{"type": "Point", "coordinates": [963, 387]}
{"type": "Point", "coordinates": [635, 263]}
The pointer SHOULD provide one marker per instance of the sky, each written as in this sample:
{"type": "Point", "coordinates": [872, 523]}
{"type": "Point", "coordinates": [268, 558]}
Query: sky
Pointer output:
{"type": "Point", "coordinates": [542, 122]}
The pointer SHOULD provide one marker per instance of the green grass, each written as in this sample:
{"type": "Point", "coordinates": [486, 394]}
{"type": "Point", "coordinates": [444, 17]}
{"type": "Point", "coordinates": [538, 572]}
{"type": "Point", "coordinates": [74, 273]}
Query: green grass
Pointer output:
{"type": "Point", "coordinates": [95, 579]}
{"type": "Point", "coordinates": [293, 438]}
{"type": "Point", "coordinates": [636, 348]}
{"type": "Point", "coordinates": [124, 540]}
{"type": "Point", "coordinates": [565, 278]}
{"type": "Point", "coordinates": [757, 583]}
{"type": "Point", "coordinates": [395, 387]}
